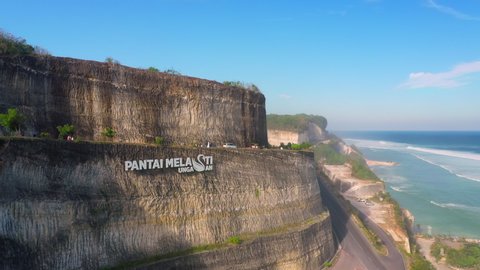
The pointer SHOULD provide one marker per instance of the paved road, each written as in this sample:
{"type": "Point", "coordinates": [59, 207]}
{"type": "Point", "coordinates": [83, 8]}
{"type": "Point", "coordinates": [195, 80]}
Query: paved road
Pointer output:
{"type": "Point", "coordinates": [357, 253]}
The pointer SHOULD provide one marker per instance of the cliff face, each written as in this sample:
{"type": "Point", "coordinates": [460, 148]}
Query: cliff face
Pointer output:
{"type": "Point", "coordinates": [137, 104]}
{"type": "Point", "coordinates": [74, 205]}
{"type": "Point", "coordinates": [312, 134]}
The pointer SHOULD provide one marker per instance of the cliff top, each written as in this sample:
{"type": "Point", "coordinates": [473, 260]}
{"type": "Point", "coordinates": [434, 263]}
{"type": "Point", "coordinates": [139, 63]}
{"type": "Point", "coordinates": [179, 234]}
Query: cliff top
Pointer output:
{"type": "Point", "coordinates": [297, 122]}
{"type": "Point", "coordinates": [112, 71]}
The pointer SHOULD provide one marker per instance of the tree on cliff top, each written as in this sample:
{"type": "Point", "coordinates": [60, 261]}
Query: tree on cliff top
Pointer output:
{"type": "Point", "coordinates": [11, 45]}
{"type": "Point", "coordinates": [12, 120]}
{"type": "Point", "coordinates": [248, 86]}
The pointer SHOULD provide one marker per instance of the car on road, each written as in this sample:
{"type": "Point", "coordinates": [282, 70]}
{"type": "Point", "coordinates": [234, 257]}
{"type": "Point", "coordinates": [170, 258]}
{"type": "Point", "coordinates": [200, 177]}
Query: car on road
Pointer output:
{"type": "Point", "coordinates": [229, 145]}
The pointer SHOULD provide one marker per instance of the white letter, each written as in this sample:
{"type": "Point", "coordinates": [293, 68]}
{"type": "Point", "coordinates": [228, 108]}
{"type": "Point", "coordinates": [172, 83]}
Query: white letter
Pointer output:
{"type": "Point", "coordinates": [128, 165]}
{"type": "Point", "coordinates": [169, 163]}
{"type": "Point", "coordinates": [142, 164]}
{"type": "Point", "coordinates": [156, 164]}
{"type": "Point", "coordinates": [134, 165]}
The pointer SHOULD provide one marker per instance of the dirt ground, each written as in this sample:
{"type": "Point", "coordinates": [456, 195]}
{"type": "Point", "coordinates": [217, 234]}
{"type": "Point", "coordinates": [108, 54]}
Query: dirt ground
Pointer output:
{"type": "Point", "coordinates": [425, 244]}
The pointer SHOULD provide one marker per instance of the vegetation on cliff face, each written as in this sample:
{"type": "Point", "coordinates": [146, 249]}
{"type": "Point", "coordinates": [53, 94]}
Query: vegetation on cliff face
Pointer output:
{"type": "Point", "coordinates": [295, 146]}
{"type": "Point", "coordinates": [65, 130]}
{"type": "Point", "coordinates": [327, 154]}
{"type": "Point", "coordinates": [12, 120]}
{"type": "Point", "coordinates": [297, 123]}
{"type": "Point", "coordinates": [360, 168]}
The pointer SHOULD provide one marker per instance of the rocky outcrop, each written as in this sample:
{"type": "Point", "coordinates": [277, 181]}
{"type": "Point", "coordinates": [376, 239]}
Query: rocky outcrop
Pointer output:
{"type": "Point", "coordinates": [313, 134]}
{"type": "Point", "coordinates": [74, 205]}
{"type": "Point", "coordinates": [341, 176]}
{"type": "Point", "coordinates": [138, 104]}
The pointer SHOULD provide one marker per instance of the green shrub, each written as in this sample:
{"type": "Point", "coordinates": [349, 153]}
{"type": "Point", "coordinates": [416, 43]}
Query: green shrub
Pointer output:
{"type": "Point", "coordinates": [109, 132]}
{"type": "Point", "coordinates": [327, 264]}
{"type": "Point", "coordinates": [468, 256]}
{"type": "Point", "coordinates": [159, 140]}
{"type": "Point", "coordinates": [44, 134]}
{"type": "Point", "coordinates": [248, 86]}
{"type": "Point", "coordinates": [12, 120]}
{"type": "Point", "coordinates": [420, 263]}
{"type": "Point", "coordinates": [112, 61]}
{"type": "Point", "coordinates": [235, 240]}
{"type": "Point", "coordinates": [301, 146]}
{"type": "Point", "coordinates": [360, 168]}
{"type": "Point", "coordinates": [65, 130]}
{"type": "Point", "coordinates": [327, 153]}
{"type": "Point", "coordinates": [153, 69]}
{"type": "Point", "coordinates": [435, 250]}
{"type": "Point", "coordinates": [11, 45]}
{"type": "Point", "coordinates": [173, 72]}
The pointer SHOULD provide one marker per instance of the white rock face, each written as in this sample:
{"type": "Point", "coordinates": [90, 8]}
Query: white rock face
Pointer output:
{"type": "Point", "coordinates": [313, 134]}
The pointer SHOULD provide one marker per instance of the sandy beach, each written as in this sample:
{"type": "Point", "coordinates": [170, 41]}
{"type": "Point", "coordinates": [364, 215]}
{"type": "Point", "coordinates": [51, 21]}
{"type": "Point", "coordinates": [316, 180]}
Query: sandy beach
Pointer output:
{"type": "Point", "coordinates": [380, 163]}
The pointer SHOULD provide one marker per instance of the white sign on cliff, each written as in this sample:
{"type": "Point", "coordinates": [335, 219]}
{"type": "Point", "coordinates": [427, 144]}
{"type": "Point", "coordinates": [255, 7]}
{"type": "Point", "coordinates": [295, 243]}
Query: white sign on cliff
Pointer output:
{"type": "Point", "coordinates": [184, 165]}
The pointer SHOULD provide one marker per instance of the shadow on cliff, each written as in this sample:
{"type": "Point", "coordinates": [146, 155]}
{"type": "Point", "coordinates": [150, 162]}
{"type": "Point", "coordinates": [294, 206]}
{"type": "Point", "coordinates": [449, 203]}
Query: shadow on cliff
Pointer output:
{"type": "Point", "coordinates": [338, 214]}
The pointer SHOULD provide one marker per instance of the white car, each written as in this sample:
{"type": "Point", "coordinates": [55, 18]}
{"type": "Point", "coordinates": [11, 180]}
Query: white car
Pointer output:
{"type": "Point", "coordinates": [229, 145]}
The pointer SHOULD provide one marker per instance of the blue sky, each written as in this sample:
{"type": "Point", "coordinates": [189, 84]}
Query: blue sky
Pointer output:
{"type": "Point", "coordinates": [363, 64]}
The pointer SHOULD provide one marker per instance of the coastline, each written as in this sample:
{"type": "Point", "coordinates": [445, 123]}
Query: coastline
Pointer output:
{"type": "Point", "coordinates": [425, 241]}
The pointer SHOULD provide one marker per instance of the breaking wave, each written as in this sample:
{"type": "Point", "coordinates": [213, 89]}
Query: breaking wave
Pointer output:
{"type": "Point", "coordinates": [376, 144]}
{"type": "Point", "coordinates": [448, 169]}
{"type": "Point", "coordinates": [461, 164]}
{"type": "Point", "coordinates": [448, 153]}
{"type": "Point", "coordinates": [397, 189]}
{"type": "Point", "coordinates": [456, 206]}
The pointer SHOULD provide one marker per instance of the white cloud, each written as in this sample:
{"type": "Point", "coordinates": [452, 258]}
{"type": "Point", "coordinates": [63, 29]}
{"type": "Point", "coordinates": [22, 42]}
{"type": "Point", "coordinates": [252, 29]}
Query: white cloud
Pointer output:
{"type": "Point", "coordinates": [451, 11]}
{"type": "Point", "coordinates": [449, 79]}
{"type": "Point", "coordinates": [285, 96]}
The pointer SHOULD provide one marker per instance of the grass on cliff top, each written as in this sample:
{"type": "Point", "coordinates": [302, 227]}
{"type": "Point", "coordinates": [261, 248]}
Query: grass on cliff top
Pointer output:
{"type": "Point", "coordinates": [296, 123]}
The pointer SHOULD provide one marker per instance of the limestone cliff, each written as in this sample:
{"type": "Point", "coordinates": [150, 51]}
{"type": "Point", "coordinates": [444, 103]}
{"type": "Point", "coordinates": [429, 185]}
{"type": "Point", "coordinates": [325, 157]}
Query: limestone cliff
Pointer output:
{"type": "Point", "coordinates": [73, 205]}
{"type": "Point", "coordinates": [137, 104]}
{"type": "Point", "coordinates": [312, 134]}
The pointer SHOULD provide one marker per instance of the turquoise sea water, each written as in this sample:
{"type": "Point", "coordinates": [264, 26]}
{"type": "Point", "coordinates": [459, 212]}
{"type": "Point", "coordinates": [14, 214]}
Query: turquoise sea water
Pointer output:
{"type": "Point", "coordinates": [437, 177]}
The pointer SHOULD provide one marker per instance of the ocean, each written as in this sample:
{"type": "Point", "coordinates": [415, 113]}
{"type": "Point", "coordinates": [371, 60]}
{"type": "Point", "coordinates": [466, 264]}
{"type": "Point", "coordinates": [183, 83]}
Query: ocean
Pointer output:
{"type": "Point", "coordinates": [437, 177]}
